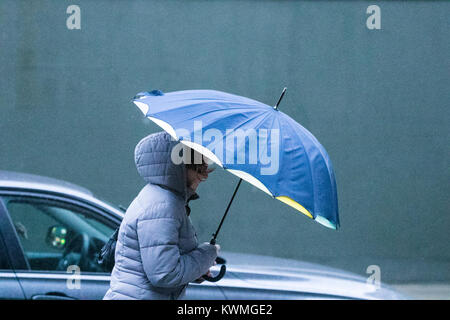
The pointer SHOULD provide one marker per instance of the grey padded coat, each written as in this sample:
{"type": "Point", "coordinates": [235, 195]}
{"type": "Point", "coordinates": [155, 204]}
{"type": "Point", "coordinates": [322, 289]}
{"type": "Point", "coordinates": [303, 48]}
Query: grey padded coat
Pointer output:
{"type": "Point", "coordinates": [157, 253]}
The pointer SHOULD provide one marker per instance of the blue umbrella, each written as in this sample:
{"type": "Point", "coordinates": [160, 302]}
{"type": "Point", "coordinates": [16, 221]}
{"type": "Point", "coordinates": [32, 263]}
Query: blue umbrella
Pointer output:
{"type": "Point", "coordinates": [272, 151]}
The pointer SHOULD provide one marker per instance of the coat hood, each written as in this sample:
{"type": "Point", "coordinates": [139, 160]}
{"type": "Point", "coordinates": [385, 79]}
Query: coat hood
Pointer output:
{"type": "Point", "coordinates": [153, 161]}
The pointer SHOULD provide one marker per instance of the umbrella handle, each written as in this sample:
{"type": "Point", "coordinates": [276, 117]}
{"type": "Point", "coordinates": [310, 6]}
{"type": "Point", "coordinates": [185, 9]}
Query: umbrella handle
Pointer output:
{"type": "Point", "coordinates": [223, 270]}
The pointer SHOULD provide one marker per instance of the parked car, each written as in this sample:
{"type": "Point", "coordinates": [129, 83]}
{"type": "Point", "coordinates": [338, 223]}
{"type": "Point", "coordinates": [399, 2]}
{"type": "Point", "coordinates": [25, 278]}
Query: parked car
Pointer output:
{"type": "Point", "coordinates": [51, 232]}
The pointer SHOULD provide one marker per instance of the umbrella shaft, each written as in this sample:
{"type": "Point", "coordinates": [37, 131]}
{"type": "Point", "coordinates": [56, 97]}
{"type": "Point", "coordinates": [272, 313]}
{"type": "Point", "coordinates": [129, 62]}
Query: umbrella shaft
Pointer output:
{"type": "Point", "coordinates": [213, 240]}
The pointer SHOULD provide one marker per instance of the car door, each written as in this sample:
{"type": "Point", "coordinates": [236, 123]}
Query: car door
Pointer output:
{"type": "Point", "coordinates": [9, 284]}
{"type": "Point", "coordinates": [56, 241]}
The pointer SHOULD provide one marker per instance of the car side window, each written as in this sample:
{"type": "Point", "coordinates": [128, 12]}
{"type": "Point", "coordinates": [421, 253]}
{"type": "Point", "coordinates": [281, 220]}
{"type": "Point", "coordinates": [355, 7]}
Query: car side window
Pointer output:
{"type": "Point", "coordinates": [55, 236]}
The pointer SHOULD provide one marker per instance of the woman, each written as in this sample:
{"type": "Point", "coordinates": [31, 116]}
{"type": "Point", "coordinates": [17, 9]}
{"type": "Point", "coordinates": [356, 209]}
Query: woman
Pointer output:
{"type": "Point", "coordinates": [157, 253]}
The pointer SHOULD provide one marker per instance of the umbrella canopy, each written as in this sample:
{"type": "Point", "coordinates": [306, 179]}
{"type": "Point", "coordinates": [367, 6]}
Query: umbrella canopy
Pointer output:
{"type": "Point", "coordinates": [254, 141]}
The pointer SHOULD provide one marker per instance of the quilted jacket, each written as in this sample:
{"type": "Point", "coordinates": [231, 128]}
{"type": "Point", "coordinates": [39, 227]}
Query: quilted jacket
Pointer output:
{"type": "Point", "coordinates": [157, 253]}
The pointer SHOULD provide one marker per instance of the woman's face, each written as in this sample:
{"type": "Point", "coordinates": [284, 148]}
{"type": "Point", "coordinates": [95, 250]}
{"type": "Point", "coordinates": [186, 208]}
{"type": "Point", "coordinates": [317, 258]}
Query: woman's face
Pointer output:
{"type": "Point", "coordinates": [195, 177]}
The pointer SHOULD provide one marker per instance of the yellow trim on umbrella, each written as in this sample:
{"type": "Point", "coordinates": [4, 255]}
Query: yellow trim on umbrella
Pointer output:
{"type": "Point", "coordinates": [295, 205]}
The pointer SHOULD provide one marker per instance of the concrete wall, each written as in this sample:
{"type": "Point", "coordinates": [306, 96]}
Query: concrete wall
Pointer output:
{"type": "Point", "coordinates": [378, 100]}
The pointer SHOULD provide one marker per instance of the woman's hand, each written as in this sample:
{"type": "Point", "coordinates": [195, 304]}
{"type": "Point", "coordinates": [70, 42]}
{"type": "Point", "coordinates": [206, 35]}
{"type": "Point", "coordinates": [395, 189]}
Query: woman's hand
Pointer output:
{"type": "Point", "coordinates": [201, 279]}
{"type": "Point", "coordinates": [217, 249]}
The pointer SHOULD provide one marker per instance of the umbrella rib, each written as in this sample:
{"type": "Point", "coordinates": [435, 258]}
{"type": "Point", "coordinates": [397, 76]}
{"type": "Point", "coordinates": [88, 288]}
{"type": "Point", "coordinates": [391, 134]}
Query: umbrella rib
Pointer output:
{"type": "Point", "coordinates": [247, 106]}
{"type": "Point", "coordinates": [308, 162]}
{"type": "Point", "coordinates": [204, 113]}
{"type": "Point", "coordinates": [265, 146]}
{"type": "Point", "coordinates": [281, 139]}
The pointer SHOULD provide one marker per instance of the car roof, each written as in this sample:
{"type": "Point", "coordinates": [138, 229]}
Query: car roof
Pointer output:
{"type": "Point", "coordinates": [32, 182]}
{"type": "Point", "coordinates": [20, 180]}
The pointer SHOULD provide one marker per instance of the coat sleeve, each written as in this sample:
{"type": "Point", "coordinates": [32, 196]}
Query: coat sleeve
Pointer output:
{"type": "Point", "coordinates": [160, 254]}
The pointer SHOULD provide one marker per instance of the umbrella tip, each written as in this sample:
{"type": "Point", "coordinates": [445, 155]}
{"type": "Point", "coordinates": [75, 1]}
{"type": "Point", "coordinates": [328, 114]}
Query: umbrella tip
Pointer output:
{"type": "Point", "coordinates": [281, 97]}
{"type": "Point", "coordinates": [148, 93]}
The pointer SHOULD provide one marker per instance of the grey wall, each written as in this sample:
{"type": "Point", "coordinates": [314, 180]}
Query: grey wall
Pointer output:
{"type": "Point", "coordinates": [378, 100]}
